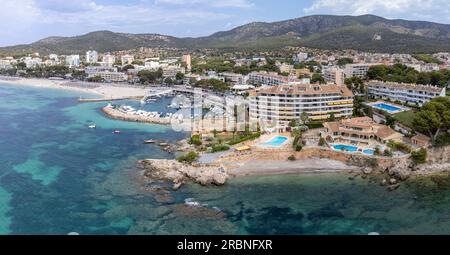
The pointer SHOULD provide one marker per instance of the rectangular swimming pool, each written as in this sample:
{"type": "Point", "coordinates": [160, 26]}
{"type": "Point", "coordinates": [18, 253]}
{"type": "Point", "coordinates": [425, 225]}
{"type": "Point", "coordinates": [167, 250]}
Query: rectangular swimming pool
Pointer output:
{"type": "Point", "coordinates": [390, 108]}
{"type": "Point", "coordinates": [276, 141]}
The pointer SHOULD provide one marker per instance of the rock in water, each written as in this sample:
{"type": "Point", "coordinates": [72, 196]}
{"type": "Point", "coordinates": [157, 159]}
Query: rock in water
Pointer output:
{"type": "Point", "coordinates": [178, 173]}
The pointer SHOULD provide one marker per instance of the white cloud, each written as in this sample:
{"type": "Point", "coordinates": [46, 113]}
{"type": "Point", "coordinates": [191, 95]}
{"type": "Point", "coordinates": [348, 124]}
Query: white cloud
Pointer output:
{"type": "Point", "coordinates": [435, 10]}
{"type": "Point", "coordinates": [212, 3]}
{"type": "Point", "coordinates": [67, 6]}
{"type": "Point", "coordinates": [34, 19]}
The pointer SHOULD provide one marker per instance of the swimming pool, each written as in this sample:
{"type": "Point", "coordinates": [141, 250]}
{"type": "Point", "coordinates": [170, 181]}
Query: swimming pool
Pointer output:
{"type": "Point", "coordinates": [349, 148]}
{"type": "Point", "coordinates": [387, 107]}
{"type": "Point", "coordinates": [369, 152]}
{"type": "Point", "coordinates": [276, 141]}
{"type": "Point", "coordinates": [343, 147]}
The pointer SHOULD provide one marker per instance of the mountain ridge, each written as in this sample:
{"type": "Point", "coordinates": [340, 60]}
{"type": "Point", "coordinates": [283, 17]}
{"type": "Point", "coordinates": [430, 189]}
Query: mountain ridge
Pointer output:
{"type": "Point", "coordinates": [316, 31]}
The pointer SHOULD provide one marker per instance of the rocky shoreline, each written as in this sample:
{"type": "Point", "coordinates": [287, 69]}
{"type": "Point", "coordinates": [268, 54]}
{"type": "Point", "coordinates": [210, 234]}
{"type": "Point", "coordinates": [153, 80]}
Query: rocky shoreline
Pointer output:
{"type": "Point", "coordinates": [179, 173]}
{"type": "Point", "coordinates": [389, 172]}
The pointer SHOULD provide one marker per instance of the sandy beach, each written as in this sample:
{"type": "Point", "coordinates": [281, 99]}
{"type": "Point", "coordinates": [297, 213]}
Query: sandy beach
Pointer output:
{"type": "Point", "coordinates": [273, 167]}
{"type": "Point", "coordinates": [108, 91]}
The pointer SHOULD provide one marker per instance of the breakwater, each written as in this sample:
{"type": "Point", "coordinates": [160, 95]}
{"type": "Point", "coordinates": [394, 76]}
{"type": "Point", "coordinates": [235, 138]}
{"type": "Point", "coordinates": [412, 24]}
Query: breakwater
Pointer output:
{"type": "Point", "coordinates": [118, 115]}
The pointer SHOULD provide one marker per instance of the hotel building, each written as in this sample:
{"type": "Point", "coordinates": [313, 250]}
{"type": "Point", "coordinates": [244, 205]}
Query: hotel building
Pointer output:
{"type": "Point", "coordinates": [283, 103]}
{"type": "Point", "coordinates": [91, 56]}
{"type": "Point", "coordinates": [127, 59]}
{"type": "Point", "coordinates": [410, 93]}
{"type": "Point", "coordinates": [273, 79]}
{"type": "Point", "coordinates": [334, 74]}
{"type": "Point", "coordinates": [361, 130]}
{"type": "Point", "coordinates": [109, 74]}
{"type": "Point", "coordinates": [357, 70]}
{"type": "Point", "coordinates": [73, 60]}
{"type": "Point", "coordinates": [109, 60]}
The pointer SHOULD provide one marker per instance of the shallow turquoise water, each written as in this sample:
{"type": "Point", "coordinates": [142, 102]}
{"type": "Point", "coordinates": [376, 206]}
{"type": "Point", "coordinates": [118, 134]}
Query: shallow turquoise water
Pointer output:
{"type": "Point", "coordinates": [58, 176]}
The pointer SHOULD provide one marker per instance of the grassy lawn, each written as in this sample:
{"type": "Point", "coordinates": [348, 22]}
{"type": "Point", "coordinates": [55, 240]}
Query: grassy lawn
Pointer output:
{"type": "Point", "coordinates": [229, 138]}
{"type": "Point", "coordinates": [406, 118]}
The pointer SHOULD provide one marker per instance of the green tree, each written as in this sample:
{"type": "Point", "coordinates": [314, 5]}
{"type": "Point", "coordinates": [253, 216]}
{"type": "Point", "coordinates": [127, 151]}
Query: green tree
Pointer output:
{"type": "Point", "coordinates": [322, 142]}
{"type": "Point", "coordinates": [127, 67]}
{"type": "Point", "coordinates": [21, 66]}
{"type": "Point", "coordinates": [420, 156]}
{"type": "Point", "coordinates": [137, 62]}
{"type": "Point", "coordinates": [304, 117]}
{"type": "Point", "coordinates": [95, 79]}
{"type": "Point", "coordinates": [355, 84]}
{"type": "Point", "coordinates": [196, 140]}
{"type": "Point", "coordinates": [433, 118]}
{"type": "Point", "coordinates": [317, 78]}
{"type": "Point", "coordinates": [213, 84]}
{"type": "Point", "coordinates": [332, 117]}
{"type": "Point", "coordinates": [344, 61]}
{"type": "Point", "coordinates": [190, 157]}
{"type": "Point", "coordinates": [179, 76]}
{"type": "Point", "coordinates": [147, 76]}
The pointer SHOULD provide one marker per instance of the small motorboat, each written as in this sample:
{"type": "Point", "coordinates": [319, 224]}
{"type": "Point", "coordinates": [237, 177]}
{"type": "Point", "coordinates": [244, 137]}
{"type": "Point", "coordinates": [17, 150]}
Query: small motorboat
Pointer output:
{"type": "Point", "coordinates": [93, 126]}
{"type": "Point", "coordinates": [149, 141]}
{"type": "Point", "coordinates": [116, 132]}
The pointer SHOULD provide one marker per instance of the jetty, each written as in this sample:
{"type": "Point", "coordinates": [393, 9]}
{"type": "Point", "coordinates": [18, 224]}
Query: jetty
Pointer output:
{"type": "Point", "coordinates": [118, 115]}
{"type": "Point", "coordinates": [93, 100]}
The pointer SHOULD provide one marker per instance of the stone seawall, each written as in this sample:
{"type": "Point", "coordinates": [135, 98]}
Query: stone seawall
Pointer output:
{"type": "Point", "coordinates": [118, 115]}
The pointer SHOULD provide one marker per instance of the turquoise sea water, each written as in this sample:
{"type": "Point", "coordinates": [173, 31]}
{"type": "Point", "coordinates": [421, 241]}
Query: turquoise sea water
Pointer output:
{"type": "Point", "coordinates": [57, 176]}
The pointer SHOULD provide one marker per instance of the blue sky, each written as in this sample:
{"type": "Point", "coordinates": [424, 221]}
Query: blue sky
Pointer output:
{"type": "Point", "coordinates": [25, 21]}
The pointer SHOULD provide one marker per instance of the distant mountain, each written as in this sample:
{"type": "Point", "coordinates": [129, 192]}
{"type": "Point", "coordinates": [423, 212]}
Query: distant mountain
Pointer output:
{"type": "Point", "coordinates": [367, 32]}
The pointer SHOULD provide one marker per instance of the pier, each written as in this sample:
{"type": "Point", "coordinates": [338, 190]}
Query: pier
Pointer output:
{"type": "Point", "coordinates": [92, 100]}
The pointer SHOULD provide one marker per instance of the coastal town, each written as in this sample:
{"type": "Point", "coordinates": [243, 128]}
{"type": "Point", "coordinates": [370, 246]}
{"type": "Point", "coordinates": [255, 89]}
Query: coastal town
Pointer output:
{"type": "Point", "coordinates": [389, 112]}
{"type": "Point", "coordinates": [217, 127]}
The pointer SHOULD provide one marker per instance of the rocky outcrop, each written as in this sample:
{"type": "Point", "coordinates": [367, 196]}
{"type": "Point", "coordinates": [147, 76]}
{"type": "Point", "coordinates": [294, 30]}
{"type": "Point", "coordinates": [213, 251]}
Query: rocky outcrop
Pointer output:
{"type": "Point", "coordinates": [179, 173]}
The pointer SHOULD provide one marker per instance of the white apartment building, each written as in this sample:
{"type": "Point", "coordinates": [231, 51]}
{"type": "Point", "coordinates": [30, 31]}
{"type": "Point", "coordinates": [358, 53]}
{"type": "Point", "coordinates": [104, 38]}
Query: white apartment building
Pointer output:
{"type": "Point", "coordinates": [233, 78]}
{"type": "Point", "coordinates": [171, 71]}
{"type": "Point", "coordinates": [91, 56]}
{"type": "Point", "coordinates": [127, 59]}
{"type": "Point", "coordinates": [333, 74]}
{"type": "Point", "coordinates": [410, 93]}
{"type": "Point", "coordinates": [300, 57]}
{"type": "Point", "coordinates": [112, 76]}
{"type": "Point", "coordinates": [53, 57]}
{"type": "Point", "coordinates": [152, 65]}
{"type": "Point", "coordinates": [73, 60]}
{"type": "Point", "coordinates": [284, 68]}
{"type": "Point", "coordinates": [109, 60]}
{"type": "Point", "coordinates": [5, 64]}
{"type": "Point", "coordinates": [283, 103]}
{"type": "Point", "coordinates": [32, 62]}
{"type": "Point", "coordinates": [91, 71]}
{"type": "Point", "coordinates": [357, 70]}
{"type": "Point", "coordinates": [273, 79]}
